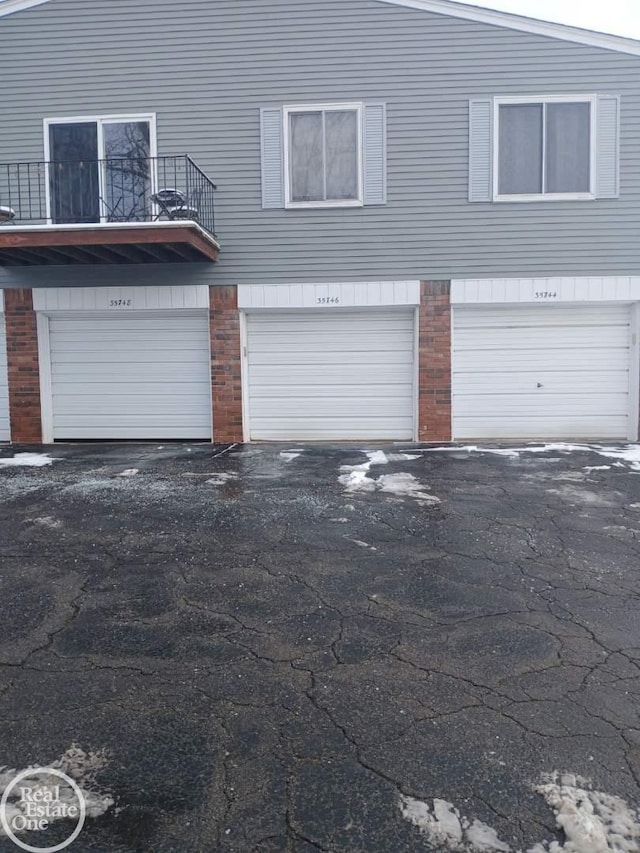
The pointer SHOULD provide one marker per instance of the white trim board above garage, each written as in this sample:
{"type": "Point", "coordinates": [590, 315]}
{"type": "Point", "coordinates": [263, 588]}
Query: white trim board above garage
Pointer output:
{"type": "Point", "coordinates": [173, 297]}
{"type": "Point", "coordinates": [545, 290]}
{"type": "Point", "coordinates": [5, 432]}
{"type": "Point", "coordinates": [353, 294]}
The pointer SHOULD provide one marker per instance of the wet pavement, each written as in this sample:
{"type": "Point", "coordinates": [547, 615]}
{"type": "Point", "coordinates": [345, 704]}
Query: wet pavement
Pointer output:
{"type": "Point", "coordinates": [282, 648]}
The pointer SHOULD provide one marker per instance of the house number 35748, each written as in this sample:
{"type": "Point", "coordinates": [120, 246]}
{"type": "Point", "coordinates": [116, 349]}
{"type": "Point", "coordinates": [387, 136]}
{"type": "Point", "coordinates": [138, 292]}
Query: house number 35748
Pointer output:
{"type": "Point", "coordinates": [120, 303]}
{"type": "Point", "coordinates": [328, 300]}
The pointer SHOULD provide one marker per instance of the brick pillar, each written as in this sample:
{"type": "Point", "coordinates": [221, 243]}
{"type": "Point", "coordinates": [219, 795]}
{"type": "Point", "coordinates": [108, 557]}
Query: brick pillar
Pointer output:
{"type": "Point", "coordinates": [226, 379]}
{"type": "Point", "coordinates": [434, 406]}
{"type": "Point", "coordinates": [22, 361]}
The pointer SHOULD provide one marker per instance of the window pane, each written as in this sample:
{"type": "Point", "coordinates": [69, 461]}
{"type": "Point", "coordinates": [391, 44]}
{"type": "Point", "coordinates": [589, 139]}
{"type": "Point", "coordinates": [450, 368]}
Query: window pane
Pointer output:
{"type": "Point", "coordinates": [306, 156]}
{"type": "Point", "coordinates": [342, 154]}
{"type": "Point", "coordinates": [73, 174]}
{"type": "Point", "coordinates": [568, 148]}
{"type": "Point", "coordinates": [127, 171]}
{"type": "Point", "coordinates": [520, 152]}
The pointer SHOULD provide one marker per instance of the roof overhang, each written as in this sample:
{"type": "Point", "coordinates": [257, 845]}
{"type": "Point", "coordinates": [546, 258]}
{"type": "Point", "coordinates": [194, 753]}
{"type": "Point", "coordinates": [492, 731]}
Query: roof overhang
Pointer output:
{"type": "Point", "coordinates": [9, 6]}
{"type": "Point", "coordinates": [563, 32]}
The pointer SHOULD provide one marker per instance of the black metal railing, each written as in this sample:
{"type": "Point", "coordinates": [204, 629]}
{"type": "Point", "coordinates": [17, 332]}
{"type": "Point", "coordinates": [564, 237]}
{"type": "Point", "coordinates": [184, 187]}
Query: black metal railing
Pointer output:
{"type": "Point", "coordinates": [137, 189]}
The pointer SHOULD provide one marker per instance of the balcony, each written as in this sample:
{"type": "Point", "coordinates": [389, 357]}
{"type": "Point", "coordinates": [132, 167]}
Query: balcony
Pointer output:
{"type": "Point", "coordinates": [116, 211]}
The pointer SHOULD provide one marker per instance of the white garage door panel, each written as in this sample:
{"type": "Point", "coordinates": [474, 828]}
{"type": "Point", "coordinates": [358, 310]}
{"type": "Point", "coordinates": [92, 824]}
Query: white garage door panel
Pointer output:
{"type": "Point", "coordinates": [134, 376]}
{"type": "Point", "coordinates": [544, 371]}
{"type": "Point", "coordinates": [4, 384]}
{"type": "Point", "coordinates": [331, 375]}
{"type": "Point", "coordinates": [608, 427]}
{"type": "Point", "coordinates": [612, 381]}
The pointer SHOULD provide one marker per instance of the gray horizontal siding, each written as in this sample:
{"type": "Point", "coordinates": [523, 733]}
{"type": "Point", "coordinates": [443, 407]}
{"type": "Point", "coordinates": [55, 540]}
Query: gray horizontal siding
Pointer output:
{"type": "Point", "coordinates": [207, 66]}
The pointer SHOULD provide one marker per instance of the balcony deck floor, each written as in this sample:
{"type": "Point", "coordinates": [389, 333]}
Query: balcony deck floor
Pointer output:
{"type": "Point", "coordinates": [109, 243]}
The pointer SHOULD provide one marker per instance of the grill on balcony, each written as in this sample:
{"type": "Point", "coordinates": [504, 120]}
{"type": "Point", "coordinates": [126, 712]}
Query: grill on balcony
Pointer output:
{"type": "Point", "coordinates": [118, 210]}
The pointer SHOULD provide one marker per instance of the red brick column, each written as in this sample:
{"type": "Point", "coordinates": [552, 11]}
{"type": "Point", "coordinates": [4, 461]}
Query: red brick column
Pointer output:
{"type": "Point", "coordinates": [434, 402]}
{"type": "Point", "coordinates": [22, 361]}
{"type": "Point", "coordinates": [226, 379]}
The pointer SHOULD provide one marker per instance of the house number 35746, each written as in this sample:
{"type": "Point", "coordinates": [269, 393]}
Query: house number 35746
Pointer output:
{"type": "Point", "coordinates": [120, 303]}
{"type": "Point", "coordinates": [328, 300]}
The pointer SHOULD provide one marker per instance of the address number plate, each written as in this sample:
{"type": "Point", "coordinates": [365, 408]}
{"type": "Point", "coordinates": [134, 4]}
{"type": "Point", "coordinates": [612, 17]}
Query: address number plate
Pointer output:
{"type": "Point", "coordinates": [546, 294]}
{"type": "Point", "coordinates": [121, 303]}
{"type": "Point", "coordinates": [328, 300]}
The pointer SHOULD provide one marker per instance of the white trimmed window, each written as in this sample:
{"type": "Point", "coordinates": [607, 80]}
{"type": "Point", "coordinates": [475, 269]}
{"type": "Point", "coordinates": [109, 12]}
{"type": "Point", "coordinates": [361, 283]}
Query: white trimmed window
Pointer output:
{"type": "Point", "coordinates": [544, 148]}
{"type": "Point", "coordinates": [323, 150]}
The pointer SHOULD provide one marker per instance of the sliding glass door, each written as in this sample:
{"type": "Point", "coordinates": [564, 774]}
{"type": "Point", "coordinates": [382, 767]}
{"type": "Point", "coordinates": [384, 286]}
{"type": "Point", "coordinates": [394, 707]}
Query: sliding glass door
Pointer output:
{"type": "Point", "coordinates": [74, 173]}
{"type": "Point", "coordinates": [101, 170]}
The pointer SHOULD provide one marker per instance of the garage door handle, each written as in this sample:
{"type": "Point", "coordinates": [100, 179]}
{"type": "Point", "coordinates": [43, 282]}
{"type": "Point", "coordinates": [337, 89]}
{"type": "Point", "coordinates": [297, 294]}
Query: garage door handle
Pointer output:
{"type": "Point", "coordinates": [540, 385]}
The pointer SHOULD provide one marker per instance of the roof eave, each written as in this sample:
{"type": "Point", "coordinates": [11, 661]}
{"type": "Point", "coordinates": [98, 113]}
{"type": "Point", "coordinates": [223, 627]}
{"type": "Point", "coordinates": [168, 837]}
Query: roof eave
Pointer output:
{"type": "Point", "coordinates": [562, 32]}
{"type": "Point", "coordinates": [8, 7]}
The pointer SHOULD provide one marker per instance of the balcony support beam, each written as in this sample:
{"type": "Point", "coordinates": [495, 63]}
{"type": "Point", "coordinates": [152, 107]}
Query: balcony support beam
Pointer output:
{"type": "Point", "coordinates": [162, 242]}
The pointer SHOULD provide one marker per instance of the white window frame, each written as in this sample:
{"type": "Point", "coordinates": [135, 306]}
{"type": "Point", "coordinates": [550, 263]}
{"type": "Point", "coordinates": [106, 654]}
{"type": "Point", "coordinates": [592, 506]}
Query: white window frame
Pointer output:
{"type": "Point", "coordinates": [100, 121]}
{"type": "Point", "coordinates": [358, 108]}
{"type": "Point", "coordinates": [544, 100]}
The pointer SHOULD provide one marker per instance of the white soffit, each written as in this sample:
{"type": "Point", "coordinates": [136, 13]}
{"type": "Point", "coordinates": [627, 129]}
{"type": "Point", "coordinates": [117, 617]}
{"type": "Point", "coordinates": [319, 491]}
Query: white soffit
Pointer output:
{"type": "Point", "coordinates": [519, 22]}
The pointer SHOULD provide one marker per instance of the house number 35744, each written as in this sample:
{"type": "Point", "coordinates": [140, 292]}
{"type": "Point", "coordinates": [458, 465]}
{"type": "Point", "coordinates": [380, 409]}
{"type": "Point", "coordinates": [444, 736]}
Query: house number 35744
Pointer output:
{"type": "Point", "coordinates": [328, 300]}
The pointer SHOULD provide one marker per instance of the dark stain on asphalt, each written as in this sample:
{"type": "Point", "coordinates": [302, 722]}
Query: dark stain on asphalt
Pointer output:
{"type": "Point", "coordinates": [270, 660]}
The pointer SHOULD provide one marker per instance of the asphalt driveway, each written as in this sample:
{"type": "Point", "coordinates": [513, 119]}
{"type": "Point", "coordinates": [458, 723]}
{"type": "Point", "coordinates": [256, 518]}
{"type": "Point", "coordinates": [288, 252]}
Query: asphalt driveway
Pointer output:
{"type": "Point", "coordinates": [311, 648]}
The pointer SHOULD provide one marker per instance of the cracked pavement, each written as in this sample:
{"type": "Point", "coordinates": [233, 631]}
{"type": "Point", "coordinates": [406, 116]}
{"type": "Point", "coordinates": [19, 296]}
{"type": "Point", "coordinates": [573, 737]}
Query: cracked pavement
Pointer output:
{"type": "Point", "coordinates": [270, 661]}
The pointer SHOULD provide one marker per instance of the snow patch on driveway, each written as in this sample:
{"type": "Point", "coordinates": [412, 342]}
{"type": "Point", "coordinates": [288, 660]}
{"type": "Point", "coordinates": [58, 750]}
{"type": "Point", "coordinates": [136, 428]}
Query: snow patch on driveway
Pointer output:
{"type": "Point", "coordinates": [592, 821]}
{"type": "Point", "coordinates": [290, 455]}
{"type": "Point", "coordinates": [405, 485]}
{"type": "Point", "coordinates": [221, 478]}
{"type": "Point", "coordinates": [626, 454]}
{"type": "Point", "coordinates": [81, 766]}
{"type": "Point", "coordinates": [356, 478]}
{"type": "Point", "coordinates": [443, 825]}
{"type": "Point", "coordinates": [27, 460]}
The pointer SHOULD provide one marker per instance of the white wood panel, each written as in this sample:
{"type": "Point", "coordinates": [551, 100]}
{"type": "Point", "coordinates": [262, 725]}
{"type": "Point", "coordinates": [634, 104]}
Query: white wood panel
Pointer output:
{"type": "Point", "coordinates": [542, 371]}
{"type": "Point", "coordinates": [333, 295]}
{"type": "Point", "coordinates": [120, 299]}
{"type": "Point", "coordinates": [130, 375]}
{"type": "Point", "coordinates": [545, 290]}
{"type": "Point", "coordinates": [331, 375]}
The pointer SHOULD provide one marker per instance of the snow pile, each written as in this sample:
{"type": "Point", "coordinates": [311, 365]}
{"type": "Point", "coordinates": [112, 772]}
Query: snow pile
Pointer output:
{"type": "Point", "coordinates": [129, 472]}
{"type": "Point", "coordinates": [80, 766]}
{"type": "Point", "coordinates": [592, 821]}
{"type": "Point", "coordinates": [445, 826]}
{"type": "Point", "coordinates": [356, 478]}
{"type": "Point", "coordinates": [629, 454]}
{"type": "Point", "coordinates": [27, 460]}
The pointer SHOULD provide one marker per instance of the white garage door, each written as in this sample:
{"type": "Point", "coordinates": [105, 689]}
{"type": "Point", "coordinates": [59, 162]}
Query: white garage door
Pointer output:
{"type": "Point", "coordinates": [544, 371]}
{"type": "Point", "coordinates": [131, 376]}
{"type": "Point", "coordinates": [4, 385]}
{"type": "Point", "coordinates": [331, 375]}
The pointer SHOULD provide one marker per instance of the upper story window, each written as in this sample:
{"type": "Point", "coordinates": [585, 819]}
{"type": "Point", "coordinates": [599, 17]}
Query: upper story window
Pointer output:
{"type": "Point", "coordinates": [323, 155]}
{"type": "Point", "coordinates": [544, 148]}
{"type": "Point", "coordinates": [100, 168]}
